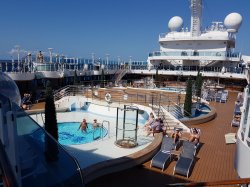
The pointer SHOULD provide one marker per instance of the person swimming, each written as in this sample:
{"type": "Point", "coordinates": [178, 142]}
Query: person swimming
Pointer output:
{"type": "Point", "coordinates": [83, 126]}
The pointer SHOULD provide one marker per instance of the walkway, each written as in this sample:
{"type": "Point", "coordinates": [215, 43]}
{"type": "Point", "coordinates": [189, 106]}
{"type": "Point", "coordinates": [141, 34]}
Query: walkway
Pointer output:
{"type": "Point", "coordinates": [214, 160]}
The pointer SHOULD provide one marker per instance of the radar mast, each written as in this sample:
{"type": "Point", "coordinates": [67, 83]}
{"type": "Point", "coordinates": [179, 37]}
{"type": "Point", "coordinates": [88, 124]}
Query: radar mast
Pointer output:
{"type": "Point", "coordinates": [196, 17]}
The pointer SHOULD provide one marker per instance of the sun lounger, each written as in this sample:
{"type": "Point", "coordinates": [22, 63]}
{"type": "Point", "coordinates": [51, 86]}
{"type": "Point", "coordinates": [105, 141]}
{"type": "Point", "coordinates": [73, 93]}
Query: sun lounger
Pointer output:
{"type": "Point", "coordinates": [237, 109]}
{"type": "Point", "coordinates": [224, 97]}
{"type": "Point", "coordinates": [186, 159]}
{"type": "Point", "coordinates": [218, 97]}
{"type": "Point", "coordinates": [225, 92]}
{"type": "Point", "coordinates": [240, 97]}
{"type": "Point", "coordinates": [163, 156]}
{"type": "Point", "coordinates": [189, 147]}
{"type": "Point", "coordinates": [235, 122]}
{"type": "Point", "coordinates": [209, 97]}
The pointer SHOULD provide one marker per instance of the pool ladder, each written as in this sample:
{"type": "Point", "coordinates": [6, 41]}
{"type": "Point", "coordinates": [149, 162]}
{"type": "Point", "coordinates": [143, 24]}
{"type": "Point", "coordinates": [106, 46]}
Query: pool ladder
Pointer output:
{"type": "Point", "coordinates": [102, 127]}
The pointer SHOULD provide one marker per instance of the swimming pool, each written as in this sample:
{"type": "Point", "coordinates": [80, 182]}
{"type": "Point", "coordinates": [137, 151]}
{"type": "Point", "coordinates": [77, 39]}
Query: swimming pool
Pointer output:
{"type": "Point", "coordinates": [174, 89]}
{"type": "Point", "coordinates": [203, 110]}
{"type": "Point", "coordinates": [70, 135]}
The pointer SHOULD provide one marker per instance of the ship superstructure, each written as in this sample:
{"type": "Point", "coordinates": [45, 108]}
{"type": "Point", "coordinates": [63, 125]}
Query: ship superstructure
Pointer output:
{"type": "Point", "coordinates": [210, 47]}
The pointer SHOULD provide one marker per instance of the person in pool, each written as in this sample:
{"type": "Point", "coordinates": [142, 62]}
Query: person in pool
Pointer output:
{"type": "Point", "coordinates": [83, 126]}
{"type": "Point", "coordinates": [95, 124]}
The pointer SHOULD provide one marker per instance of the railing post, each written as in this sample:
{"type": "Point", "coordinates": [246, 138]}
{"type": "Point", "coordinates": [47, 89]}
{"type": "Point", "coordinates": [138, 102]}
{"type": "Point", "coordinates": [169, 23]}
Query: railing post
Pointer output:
{"type": "Point", "coordinates": [168, 103]}
{"type": "Point", "coordinates": [152, 102]}
{"type": "Point", "coordinates": [159, 105]}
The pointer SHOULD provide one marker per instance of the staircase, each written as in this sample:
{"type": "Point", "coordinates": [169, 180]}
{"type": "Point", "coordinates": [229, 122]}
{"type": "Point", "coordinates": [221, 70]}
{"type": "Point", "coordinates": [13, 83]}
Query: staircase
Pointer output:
{"type": "Point", "coordinates": [175, 110]}
{"type": "Point", "coordinates": [119, 75]}
{"type": "Point", "coordinates": [169, 121]}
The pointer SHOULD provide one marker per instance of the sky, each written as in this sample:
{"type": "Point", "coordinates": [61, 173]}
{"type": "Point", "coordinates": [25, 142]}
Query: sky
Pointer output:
{"type": "Point", "coordinates": [120, 28]}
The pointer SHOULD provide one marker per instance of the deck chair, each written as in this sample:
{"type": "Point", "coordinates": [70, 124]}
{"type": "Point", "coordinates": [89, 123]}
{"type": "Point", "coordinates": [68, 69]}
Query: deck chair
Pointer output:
{"type": "Point", "coordinates": [186, 159]}
{"type": "Point", "coordinates": [163, 156]}
{"type": "Point", "coordinates": [237, 109]}
{"type": "Point", "coordinates": [235, 121]}
{"type": "Point", "coordinates": [224, 97]}
{"type": "Point", "coordinates": [209, 97]}
{"type": "Point", "coordinates": [218, 96]}
{"type": "Point", "coordinates": [225, 92]}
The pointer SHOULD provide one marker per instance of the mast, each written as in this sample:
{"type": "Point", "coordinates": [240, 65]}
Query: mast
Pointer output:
{"type": "Point", "coordinates": [196, 17]}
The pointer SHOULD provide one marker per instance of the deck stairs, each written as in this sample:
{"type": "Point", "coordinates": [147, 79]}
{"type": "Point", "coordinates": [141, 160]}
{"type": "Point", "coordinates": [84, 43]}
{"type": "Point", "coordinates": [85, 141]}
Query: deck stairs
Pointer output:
{"type": "Point", "coordinates": [170, 122]}
{"type": "Point", "coordinates": [119, 74]}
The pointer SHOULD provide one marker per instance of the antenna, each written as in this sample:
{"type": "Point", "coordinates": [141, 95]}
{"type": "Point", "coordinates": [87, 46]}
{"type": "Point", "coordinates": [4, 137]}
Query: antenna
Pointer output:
{"type": "Point", "coordinates": [196, 17]}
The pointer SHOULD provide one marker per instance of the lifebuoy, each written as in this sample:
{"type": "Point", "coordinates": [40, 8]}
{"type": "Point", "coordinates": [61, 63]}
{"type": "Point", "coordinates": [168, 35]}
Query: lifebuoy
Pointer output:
{"type": "Point", "coordinates": [108, 97]}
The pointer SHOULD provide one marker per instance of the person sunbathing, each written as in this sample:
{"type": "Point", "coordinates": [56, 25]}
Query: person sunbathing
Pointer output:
{"type": "Point", "coordinates": [156, 126]}
{"type": "Point", "coordinates": [176, 135]}
{"type": "Point", "coordinates": [150, 121]}
{"type": "Point", "coordinates": [194, 136]}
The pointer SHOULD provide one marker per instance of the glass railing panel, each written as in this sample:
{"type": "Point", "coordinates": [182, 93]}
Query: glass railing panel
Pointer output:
{"type": "Point", "coordinates": [43, 160]}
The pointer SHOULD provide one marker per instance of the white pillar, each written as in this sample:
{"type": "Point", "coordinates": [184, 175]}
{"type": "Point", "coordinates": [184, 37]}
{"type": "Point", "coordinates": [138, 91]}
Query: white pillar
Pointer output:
{"type": "Point", "coordinates": [50, 54]}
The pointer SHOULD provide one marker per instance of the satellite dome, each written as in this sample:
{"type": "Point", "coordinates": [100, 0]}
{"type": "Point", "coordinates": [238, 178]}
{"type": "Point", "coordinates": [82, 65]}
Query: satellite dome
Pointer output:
{"type": "Point", "coordinates": [175, 23]}
{"type": "Point", "coordinates": [233, 21]}
{"type": "Point", "coordinates": [9, 89]}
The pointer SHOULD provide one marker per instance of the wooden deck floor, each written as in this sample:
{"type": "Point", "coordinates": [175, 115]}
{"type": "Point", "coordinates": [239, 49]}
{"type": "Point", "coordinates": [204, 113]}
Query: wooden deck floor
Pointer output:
{"type": "Point", "coordinates": [214, 160]}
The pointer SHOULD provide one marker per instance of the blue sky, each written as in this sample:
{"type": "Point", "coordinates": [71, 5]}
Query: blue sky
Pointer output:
{"type": "Point", "coordinates": [77, 28]}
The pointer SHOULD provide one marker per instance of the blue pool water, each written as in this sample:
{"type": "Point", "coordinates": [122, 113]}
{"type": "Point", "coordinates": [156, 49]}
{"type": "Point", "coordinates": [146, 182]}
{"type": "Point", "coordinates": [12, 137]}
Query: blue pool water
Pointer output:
{"type": "Point", "coordinates": [70, 135]}
{"type": "Point", "coordinates": [203, 110]}
{"type": "Point", "coordinates": [173, 89]}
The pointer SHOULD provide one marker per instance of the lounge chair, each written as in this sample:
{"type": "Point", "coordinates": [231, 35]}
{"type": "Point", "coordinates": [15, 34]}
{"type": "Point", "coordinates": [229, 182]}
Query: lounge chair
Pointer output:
{"type": "Point", "coordinates": [163, 156]}
{"type": "Point", "coordinates": [218, 96]}
{"type": "Point", "coordinates": [189, 147]}
{"type": "Point", "coordinates": [186, 159]}
{"type": "Point", "coordinates": [224, 97]}
{"type": "Point", "coordinates": [237, 110]}
{"type": "Point", "coordinates": [236, 121]}
{"type": "Point", "coordinates": [225, 92]}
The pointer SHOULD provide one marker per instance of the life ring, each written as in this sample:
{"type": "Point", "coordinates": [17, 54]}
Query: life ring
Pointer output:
{"type": "Point", "coordinates": [108, 97]}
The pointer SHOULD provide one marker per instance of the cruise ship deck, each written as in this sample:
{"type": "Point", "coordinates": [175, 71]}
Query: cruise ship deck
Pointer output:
{"type": "Point", "coordinates": [214, 160]}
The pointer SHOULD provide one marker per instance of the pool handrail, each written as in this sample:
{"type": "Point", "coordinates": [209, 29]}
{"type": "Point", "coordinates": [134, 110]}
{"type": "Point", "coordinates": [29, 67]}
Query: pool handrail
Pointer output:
{"type": "Point", "coordinates": [108, 130]}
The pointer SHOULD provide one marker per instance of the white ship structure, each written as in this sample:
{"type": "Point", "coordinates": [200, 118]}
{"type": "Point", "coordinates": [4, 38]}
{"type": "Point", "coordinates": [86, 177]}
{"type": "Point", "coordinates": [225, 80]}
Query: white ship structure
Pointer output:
{"type": "Point", "coordinates": [183, 52]}
{"type": "Point", "coordinates": [211, 50]}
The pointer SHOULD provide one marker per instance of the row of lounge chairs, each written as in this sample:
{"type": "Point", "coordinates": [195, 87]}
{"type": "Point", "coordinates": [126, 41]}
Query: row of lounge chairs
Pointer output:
{"type": "Point", "coordinates": [213, 95]}
{"type": "Point", "coordinates": [185, 161]}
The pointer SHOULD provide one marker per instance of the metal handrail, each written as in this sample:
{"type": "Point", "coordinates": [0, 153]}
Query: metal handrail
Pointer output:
{"type": "Point", "coordinates": [69, 90]}
{"type": "Point", "coordinates": [105, 121]}
{"type": "Point", "coordinates": [215, 183]}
